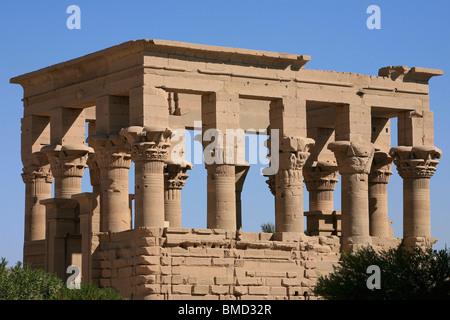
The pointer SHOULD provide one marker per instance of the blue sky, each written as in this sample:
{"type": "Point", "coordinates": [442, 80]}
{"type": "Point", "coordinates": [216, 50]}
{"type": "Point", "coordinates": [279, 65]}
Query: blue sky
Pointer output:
{"type": "Point", "coordinates": [413, 33]}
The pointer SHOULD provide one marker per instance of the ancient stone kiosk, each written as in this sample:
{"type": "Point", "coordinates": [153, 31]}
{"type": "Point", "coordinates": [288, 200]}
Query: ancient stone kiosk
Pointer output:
{"type": "Point", "coordinates": [123, 105]}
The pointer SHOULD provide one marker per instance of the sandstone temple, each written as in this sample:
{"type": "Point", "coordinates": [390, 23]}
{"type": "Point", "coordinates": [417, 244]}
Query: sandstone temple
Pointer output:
{"type": "Point", "coordinates": [109, 109]}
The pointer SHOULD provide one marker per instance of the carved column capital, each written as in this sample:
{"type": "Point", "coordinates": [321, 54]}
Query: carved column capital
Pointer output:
{"type": "Point", "coordinates": [36, 166]}
{"type": "Point", "coordinates": [148, 143]}
{"type": "Point", "coordinates": [380, 171]}
{"type": "Point", "coordinates": [67, 160]}
{"type": "Point", "coordinates": [271, 183]}
{"type": "Point", "coordinates": [321, 176]}
{"type": "Point", "coordinates": [353, 157]}
{"type": "Point", "coordinates": [111, 151]}
{"type": "Point", "coordinates": [294, 151]}
{"type": "Point", "coordinates": [94, 170]}
{"type": "Point", "coordinates": [292, 157]}
{"type": "Point", "coordinates": [175, 174]}
{"type": "Point", "coordinates": [416, 162]}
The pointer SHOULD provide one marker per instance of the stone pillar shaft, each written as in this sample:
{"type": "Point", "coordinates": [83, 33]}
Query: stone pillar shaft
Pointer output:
{"type": "Point", "coordinates": [354, 161]}
{"type": "Point", "coordinates": [38, 186]}
{"type": "Point", "coordinates": [416, 207]}
{"type": "Point", "coordinates": [321, 200]}
{"type": "Point", "coordinates": [378, 203]}
{"type": "Point", "coordinates": [65, 187]}
{"type": "Point", "coordinates": [354, 206]}
{"type": "Point", "coordinates": [240, 175]}
{"type": "Point", "coordinates": [149, 203]}
{"type": "Point", "coordinates": [210, 198]}
{"type": "Point", "coordinates": [289, 214]}
{"type": "Point", "coordinates": [320, 180]}
{"type": "Point", "coordinates": [378, 210]}
{"type": "Point", "coordinates": [149, 151]}
{"type": "Point", "coordinates": [222, 204]}
{"type": "Point", "coordinates": [115, 213]}
{"type": "Point", "coordinates": [289, 201]}
{"type": "Point", "coordinates": [113, 162]}
{"type": "Point", "coordinates": [172, 207]}
{"type": "Point", "coordinates": [174, 179]}
{"type": "Point", "coordinates": [416, 165]}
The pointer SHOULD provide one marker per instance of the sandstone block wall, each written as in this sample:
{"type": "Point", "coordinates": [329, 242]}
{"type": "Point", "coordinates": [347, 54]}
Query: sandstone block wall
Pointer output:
{"type": "Point", "coordinates": [181, 263]}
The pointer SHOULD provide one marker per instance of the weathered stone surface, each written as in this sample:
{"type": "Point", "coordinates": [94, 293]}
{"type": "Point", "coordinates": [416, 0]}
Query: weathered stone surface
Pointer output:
{"type": "Point", "coordinates": [135, 98]}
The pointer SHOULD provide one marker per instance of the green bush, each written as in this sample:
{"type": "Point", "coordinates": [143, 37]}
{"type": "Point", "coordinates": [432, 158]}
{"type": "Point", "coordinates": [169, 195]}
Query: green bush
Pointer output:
{"type": "Point", "coordinates": [405, 274]}
{"type": "Point", "coordinates": [23, 283]}
{"type": "Point", "coordinates": [91, 292]}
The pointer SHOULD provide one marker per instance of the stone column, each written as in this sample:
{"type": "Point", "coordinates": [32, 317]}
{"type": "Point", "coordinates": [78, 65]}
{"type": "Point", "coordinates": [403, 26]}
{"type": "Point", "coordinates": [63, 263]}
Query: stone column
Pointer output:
{"type": "Point", "coordinates": [149, 147]}
{"type": "Point", "coordinates": [240, 175]}
{"type": "Point", "coordinates": [174, 180]}
{"type": "Point", "coordinates": [221, 197]}
{"type": "Point", "coordinates": [210, 197]}
{"type": "Point", "coordinates": [38, 180]}
{"type": "Point", "coordinates": [220, 113]}
{"type": "Point", "coordinates": [320, 181]}
{"type": "Point", "coordinates": [289, 184]}
{"type": "Point", "coordinates": [114, 160]}
{"type": "Point", "coordinates": [354, 160]}
{"type": "Point", "coordinates": [380, 173]}
{"type": "Point", "coordinates": [416, 165]}
{"type": "Point", "coordinates": [67, 163]}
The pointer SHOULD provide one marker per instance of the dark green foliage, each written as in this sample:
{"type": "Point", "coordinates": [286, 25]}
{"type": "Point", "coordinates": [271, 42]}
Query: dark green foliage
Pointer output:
{"type": "Point", "coordinates": [405, 274]}
{"type": "Point", "coordinates": [268, 227]}
{"type": "Point", "coordinates": [24, 283]}
{"type": "Point", "coordinates": [91, 292]}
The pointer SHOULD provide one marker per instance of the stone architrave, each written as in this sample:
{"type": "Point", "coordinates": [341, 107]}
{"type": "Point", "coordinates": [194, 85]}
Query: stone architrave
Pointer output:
{"type": "Point", "coordinates": [354, 161]}
{"type": "Point", "coordinates": [38, 179]}
{"type": "Point", "coordinates": [174, 180]}
{"type": "Point", "coordinates": [67, 163]}
{"type": "Point", "coordinates": [289, 184]}
{"type": "Point", "coordinates": [380, 173]}
{"type": "Point", "coordinates": [320, 180]}
{"type": "Point", "coordinates": [149, 150]}
{"type": "Point", "coordinates": [416, 165]}
{"type": "Point", "coordinates": [113, 159]}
